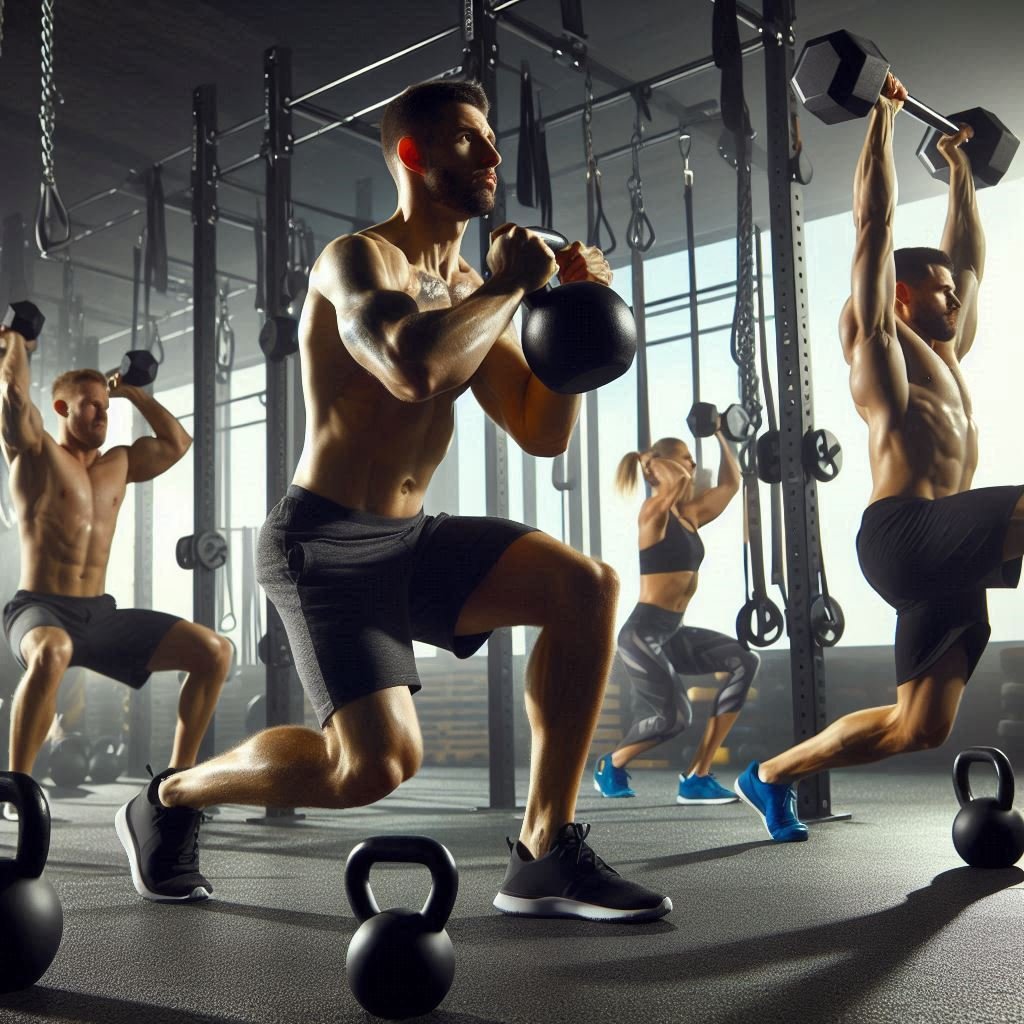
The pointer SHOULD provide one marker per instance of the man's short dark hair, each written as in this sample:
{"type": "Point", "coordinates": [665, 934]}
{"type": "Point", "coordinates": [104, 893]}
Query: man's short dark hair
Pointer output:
{"type": "Point", "coordinates": [416, 110]}
{"type": "Point", "coordinates": [913, 262]}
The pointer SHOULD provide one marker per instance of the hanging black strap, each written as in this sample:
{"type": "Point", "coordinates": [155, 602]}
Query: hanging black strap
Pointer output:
{"type": "Point", "coordinates": [725, 45]}
{"type": "Point", "coordinates": [260, 301]}
{"type": "Point", "coordinates": [13, 283]}
{"type": "Point", "coordinates": [542, 172]}
{"type": "Point", "coordinates": [156, 232]}
{"type": "Point", "coordinates": [640, 234]}
{"type": "Point", "coordinates": [136, 285]}
{"type": "Point", "coordinates": [526, 161]}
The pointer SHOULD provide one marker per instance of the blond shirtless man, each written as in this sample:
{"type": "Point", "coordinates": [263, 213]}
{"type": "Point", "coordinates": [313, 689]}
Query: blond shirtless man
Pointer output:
{"type": "Point", "coordinates": [67, 494]}
{"type": "Point", "coordinates": [928, 544]}
{"type": "Point", "coordinates": [396, 327]}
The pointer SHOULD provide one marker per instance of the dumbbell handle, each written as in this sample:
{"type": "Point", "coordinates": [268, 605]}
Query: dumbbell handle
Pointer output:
{"type": "Point", "coordinates": [924, 113]}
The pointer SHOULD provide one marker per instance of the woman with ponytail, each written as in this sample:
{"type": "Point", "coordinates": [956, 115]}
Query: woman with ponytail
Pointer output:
{"type": "Point", "coordinates": [657, 649]}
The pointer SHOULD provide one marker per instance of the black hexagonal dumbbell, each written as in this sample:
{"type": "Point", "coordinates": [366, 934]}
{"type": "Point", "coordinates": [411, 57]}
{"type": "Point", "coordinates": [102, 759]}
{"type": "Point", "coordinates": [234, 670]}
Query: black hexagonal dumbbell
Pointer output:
{"type": "Point", "coordinates": [137, 368]}
{"type": "Point", "coordinates": [704, 420]}
{"type": "Point", "coordinates": [25, 318]}
{"type": "Point", "coordinates": [840, 76]}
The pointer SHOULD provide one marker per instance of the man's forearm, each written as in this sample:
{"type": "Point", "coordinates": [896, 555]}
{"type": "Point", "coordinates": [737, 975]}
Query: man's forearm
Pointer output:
{"type": "Point", "coordinates": [962, 237]}
{"type": "Point", "coordinates": [551, 416]}
{"type": "Point", "coordinates": [165, 426]}
{"type": "Point", "coordinates": [874, 183]}
{"type": "Point", "coordinates": [15, 368]}
{"type": "Point", "coordinates": [448, 345]}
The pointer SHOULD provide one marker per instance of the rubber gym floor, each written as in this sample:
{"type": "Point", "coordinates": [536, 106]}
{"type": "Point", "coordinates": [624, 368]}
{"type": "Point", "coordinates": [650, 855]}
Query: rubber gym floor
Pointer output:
{"type": "Point", "coordinates": [874, 919]}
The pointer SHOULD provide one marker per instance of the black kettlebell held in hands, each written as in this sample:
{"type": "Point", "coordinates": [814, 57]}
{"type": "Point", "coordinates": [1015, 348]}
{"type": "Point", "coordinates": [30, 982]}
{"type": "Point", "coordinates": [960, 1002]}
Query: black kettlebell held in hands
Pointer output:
{"type": "Point", "coordinates": [31, 919]}
{"type": "Point", "coordinates": [578, 336]}
{"type": "Point", "coordinates": [987, 831]}
{"type": "Point", "coordinates": [400, 962]}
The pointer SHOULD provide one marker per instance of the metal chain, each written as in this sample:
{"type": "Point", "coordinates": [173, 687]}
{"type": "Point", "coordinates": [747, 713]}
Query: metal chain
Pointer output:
{"type": "Point", "coordinates": [225, 336]}
{"type": "Point", "coordinates": [640, 231]}
{"type": "Point", "coordinates": [588, 119]}
{"type": "Point", "coordinates": [47, 118]}
{"type": "Point", "coordinates": [744, 343]}
{"type": "Point", "coordinates": [1, 28]}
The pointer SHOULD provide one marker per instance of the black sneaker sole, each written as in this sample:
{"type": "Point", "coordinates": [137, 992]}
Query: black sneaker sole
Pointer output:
{"type": "Point", "coordinates": [557, 906]}
{"type": "Point", "coordinates": [127, 837]}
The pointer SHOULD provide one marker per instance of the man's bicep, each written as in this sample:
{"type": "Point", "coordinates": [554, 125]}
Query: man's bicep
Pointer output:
{"type": "Point", "coordinates": [370, 311]}
{"type": "Point", "coordinates": [967, 323]}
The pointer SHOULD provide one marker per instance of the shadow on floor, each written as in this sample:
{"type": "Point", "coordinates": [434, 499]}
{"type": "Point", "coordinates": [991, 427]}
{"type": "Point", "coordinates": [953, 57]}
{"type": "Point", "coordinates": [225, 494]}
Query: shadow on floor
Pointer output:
{"type": "Point", "coordinates": [862, 954]}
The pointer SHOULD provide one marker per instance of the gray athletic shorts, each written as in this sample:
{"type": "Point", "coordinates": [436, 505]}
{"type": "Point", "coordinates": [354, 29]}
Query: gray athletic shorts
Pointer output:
{"type": "Point", "coordinates": [113, 642]}
{"type": "Point", "coordinates": [355, 589]}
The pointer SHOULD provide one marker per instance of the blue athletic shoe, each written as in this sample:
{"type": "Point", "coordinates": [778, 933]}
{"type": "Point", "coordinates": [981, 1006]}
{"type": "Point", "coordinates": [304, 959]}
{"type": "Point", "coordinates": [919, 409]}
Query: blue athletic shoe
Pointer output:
{"type": "Point", "coordinates": [703, 789]}
{"type": "Point", "coordinates": [611, 781]}
{"type": "Point", "coordinates": [775, 803]}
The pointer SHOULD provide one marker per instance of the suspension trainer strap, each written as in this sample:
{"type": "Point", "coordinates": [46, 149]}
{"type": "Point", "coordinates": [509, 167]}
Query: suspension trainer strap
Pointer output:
{"type": "Point", "coordinates": [596, 217]}
{"type": "Point", "coordinates": [778, 562]}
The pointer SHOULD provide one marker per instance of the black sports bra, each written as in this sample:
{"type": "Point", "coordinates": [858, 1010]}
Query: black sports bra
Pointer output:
{"type": "Point", "coordinates": [680, 550]}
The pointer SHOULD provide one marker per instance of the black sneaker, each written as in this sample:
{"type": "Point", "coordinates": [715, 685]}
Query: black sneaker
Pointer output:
{"type": "Point", "coordinates": [162, 844]}
{"type": "Point", "coordinates": [570, 880]}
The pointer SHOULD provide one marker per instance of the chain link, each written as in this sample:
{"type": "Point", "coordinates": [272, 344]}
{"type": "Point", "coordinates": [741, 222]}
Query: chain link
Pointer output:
{"type": "Point", "coordinates": [225, 336]}
{"type": "Point", "coordinates": [744, 343]}
{"type": "Point", "coordinates": [1, 28]}
{"type": "Point", "coordinates": [47, 118]}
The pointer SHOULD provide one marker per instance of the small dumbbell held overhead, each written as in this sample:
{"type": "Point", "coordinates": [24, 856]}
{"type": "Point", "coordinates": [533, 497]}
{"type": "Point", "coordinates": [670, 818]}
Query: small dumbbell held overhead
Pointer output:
{"type": "Point", "coordinates": [25, 318]}
{"type": "Point", "coordinates": [704, 420]}
{"type": "Point", "coordinates": [839, 77]}
{"type": "Point", "coordinates": [138, 368]}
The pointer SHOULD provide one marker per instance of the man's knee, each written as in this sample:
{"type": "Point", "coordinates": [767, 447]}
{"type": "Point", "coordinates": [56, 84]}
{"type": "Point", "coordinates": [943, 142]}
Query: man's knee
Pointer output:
{"type": "Point", "coordinates": [362, 781]}
{"type": "Point", "coordinates": [925, 735]}
{"type": "Point", "coordinates": [592, 585]}
{"type": "Point", "coordinates": [211, 656]}
{"type": "Point", "coordinates": [49, 656]}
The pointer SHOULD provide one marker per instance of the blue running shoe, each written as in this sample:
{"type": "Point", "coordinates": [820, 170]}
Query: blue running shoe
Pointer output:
{"type": "Point", "coordinates": [703, 789]}
{"type": "Point", "coordinates": [775, 803]}
{"type": "Point", "coordinates": [611, 781]}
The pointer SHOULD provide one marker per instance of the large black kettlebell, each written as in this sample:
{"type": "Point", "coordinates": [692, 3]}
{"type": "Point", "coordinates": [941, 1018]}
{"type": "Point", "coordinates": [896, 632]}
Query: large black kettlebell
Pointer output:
{"type": "Point", "coordinates": [401, 962]}
{"type": "Point", "coordinates": [578, 336]}
{"type": "Point", "coordinates": [987, 831]}
{"type": "Point", "coordinates": [31, 919]}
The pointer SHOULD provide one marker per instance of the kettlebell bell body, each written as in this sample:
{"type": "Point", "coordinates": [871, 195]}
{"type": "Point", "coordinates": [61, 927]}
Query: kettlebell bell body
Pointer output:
{"type": "Point", "coordinates": [578, 336]}
{"type": "Point", "coordinates": [31, 918]}
{"type": "Point", "coordinates": [987, 831]}
{"type": "Point", "coordinates": [399, 967]}
{"type": "Point", "coordinates": [401, 963]}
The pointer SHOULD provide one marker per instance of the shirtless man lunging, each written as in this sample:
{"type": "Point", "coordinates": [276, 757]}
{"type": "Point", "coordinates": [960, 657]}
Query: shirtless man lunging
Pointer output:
{"type": "Point", "coordinates": [928, 544]}
{"type": "Point", "coordinates": [67, 494]}
{"type": "Point", "coordinates": [395, 327]}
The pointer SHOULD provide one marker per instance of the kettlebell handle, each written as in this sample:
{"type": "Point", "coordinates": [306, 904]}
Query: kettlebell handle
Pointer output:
{"type": "Point", "coordinates": [984, 755]}
{"type": "Point", "coordinates": [33, 822]}
{"type": "Point", "coordinates": [444, 876]}
{"type": "Point", "coordinates": [554, 240]}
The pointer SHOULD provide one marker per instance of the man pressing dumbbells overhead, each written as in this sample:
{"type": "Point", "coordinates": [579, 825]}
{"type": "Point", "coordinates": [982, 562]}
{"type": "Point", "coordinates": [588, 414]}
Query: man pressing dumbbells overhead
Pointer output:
{"type": "Point", "coordinates": [395, 328]}
{"type": "Point", "coordinates": [67, 494]}
{"type": "Point", "coordinates": [928, 544]}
